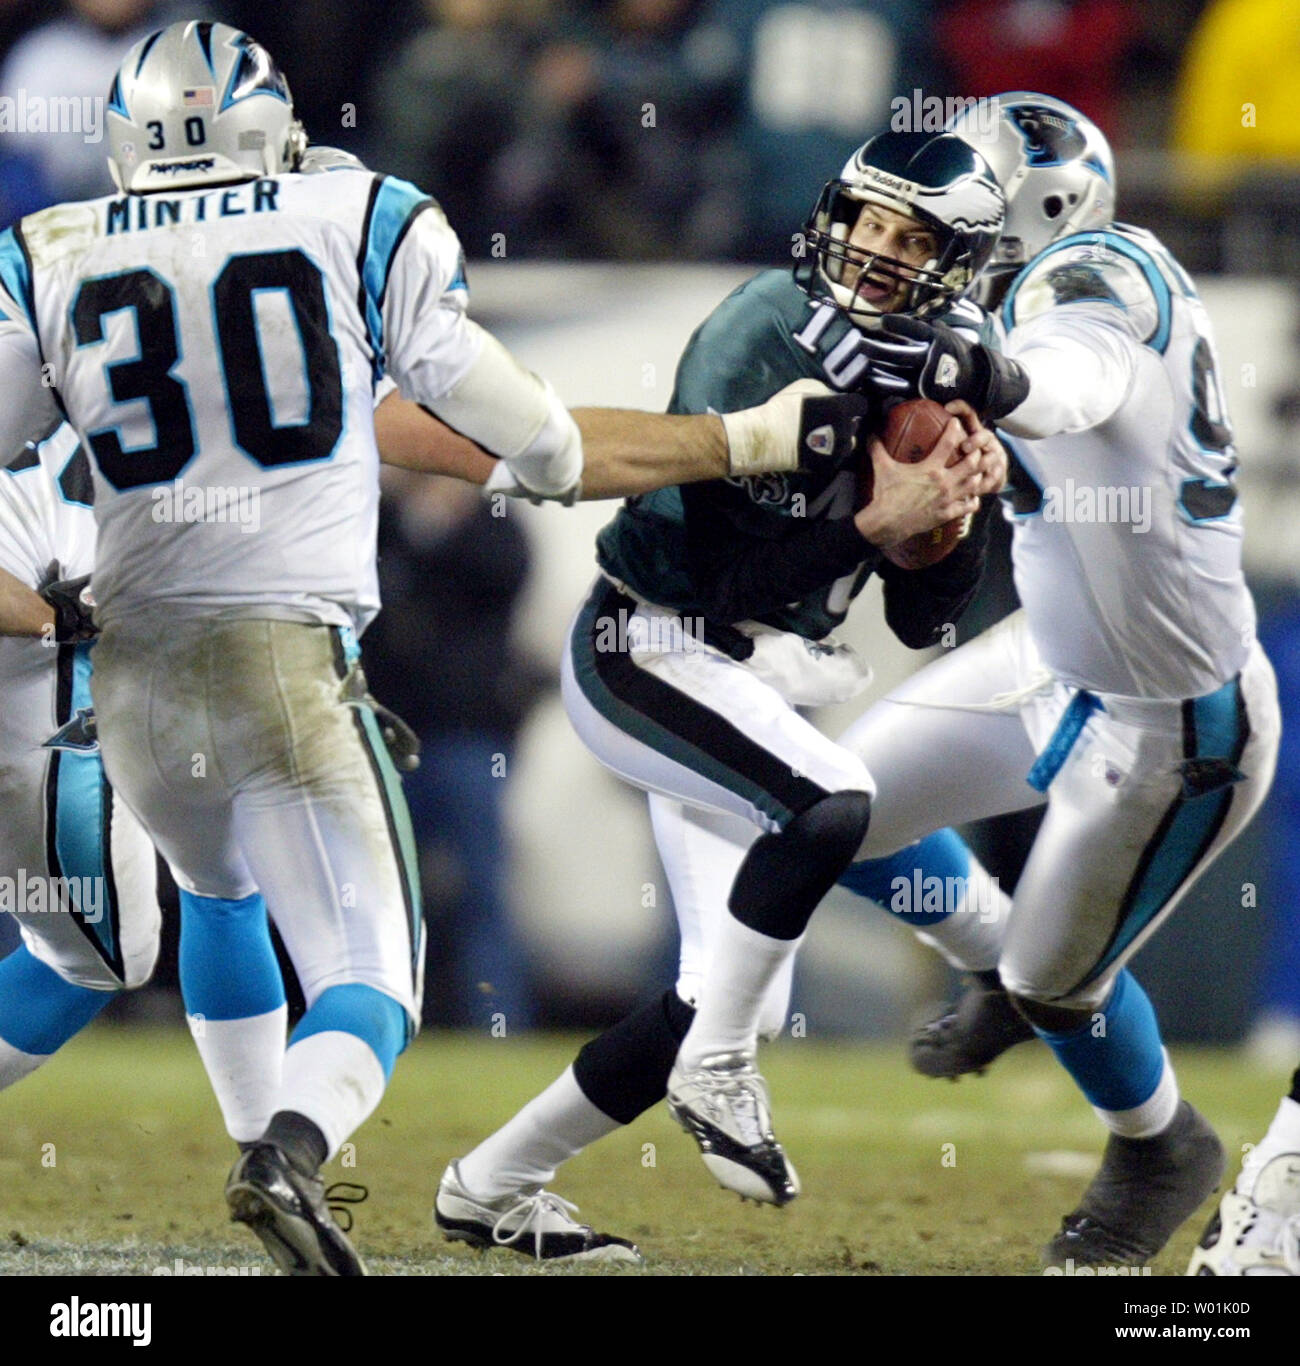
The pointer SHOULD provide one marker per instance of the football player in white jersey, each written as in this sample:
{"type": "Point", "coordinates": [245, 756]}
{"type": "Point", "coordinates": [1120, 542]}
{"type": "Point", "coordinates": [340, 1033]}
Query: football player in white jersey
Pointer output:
{"type": "Point", "coordinates": [63, 825]}
{"type": "Point", "coordinates": [215, 334]}
{"type": "Point", "coordinates": [1129, 696]}
{"type": "Point", "coordinates": [76, 870]}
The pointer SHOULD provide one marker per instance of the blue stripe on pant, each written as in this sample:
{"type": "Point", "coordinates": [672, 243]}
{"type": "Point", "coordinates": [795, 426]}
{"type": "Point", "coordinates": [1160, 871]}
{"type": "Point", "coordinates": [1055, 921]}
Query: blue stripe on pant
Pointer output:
{"type": "Point", "coordinates": [81, 822]}
{"type": "Point", "coordinates": [1215, 731]}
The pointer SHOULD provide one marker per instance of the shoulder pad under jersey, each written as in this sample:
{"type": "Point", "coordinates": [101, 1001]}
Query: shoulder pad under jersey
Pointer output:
{"type": "Point", "coordinates": [1115, 267]}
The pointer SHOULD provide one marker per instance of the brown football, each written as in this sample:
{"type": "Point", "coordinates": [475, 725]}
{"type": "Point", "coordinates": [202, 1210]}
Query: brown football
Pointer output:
{"type": "Point", "coordinates": [911, 432]}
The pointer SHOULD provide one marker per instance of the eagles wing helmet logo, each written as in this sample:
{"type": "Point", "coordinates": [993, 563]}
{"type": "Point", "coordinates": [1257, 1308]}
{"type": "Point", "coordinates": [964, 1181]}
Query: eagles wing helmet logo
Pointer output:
{"type": "Point", "coordinates": [971, 202]}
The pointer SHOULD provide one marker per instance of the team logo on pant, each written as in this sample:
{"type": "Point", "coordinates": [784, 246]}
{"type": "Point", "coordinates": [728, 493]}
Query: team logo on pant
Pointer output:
{"type": "Point", "coordinates": [80, 735]}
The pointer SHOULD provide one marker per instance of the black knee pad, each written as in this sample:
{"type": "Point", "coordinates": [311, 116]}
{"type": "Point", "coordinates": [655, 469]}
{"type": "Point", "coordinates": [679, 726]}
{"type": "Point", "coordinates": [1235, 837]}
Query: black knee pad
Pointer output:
{"type": "Point", "coordinates": [624, 1071]}
{"type": "Point", "coordinates": [1049, 1018]}
{"type": "Point", "coordinates": [785, 875]}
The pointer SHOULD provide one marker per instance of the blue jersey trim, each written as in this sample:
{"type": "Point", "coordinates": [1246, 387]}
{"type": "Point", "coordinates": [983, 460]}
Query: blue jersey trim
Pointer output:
{"type": "Point", "coordinates": [1114, 242]}
{"type": "Point", "coordinates": [16, 274]}
{"type": "Point", "coordinates": [393, 208]}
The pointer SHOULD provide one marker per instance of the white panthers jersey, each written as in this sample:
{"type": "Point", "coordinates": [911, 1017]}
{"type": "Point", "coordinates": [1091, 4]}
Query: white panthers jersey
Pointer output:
{"type": "Point", "coordinates": [47, 521]}
{"type": "Point", "coordinates": [218, 350]}
{"type": "Point", "coordinates": [1128, 531]}
{"type": "Point", "coordinates": [47, 532]}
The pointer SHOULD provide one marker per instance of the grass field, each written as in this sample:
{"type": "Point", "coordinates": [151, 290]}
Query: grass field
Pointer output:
{"type": "Point", "coordinates": [112, 1159]}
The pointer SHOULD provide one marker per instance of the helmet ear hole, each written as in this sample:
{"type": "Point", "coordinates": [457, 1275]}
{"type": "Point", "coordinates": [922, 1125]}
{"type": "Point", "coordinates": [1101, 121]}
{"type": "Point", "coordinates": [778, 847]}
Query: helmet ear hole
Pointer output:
{"type": "Point", "coordinates": [1053, 205]}
{"type": "Point", "coordinates": [1074, 199]}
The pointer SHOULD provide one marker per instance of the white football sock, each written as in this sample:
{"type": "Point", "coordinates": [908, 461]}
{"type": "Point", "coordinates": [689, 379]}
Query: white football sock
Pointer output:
{"type": "Point", "coordinates": [1283, 1137]}
{"type": "Point", "coordinates": [527, 1149]}
{"type": "Point", "coordinates": [971, 937]}
{"type": "Point", "coordinates": [742, 967]}
{"type": "Point", "coordinates": [1153, 1116]}
{"type": "Point", "coordinates": [243, 1059]}
{"type": "Point", "coordinates": [335, 1079]}
{"type": "Point", "coordinates": [15, 1064]}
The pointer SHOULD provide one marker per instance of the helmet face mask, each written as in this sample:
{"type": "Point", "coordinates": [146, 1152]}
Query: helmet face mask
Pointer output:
{"type": "Point", "coordinates": [199, 103]}
{"type": "Point", "coordinates": [847, 268]}
{"type": "Point", "coordinates": [931, 181]}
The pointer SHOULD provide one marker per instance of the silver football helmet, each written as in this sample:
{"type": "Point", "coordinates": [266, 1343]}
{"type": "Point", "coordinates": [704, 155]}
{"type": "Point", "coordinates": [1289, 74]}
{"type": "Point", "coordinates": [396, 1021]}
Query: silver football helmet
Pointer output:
{"type": "Point", "coordinates": [1054, 165]}
{"type": "Point", "coordinates": [199, 103]}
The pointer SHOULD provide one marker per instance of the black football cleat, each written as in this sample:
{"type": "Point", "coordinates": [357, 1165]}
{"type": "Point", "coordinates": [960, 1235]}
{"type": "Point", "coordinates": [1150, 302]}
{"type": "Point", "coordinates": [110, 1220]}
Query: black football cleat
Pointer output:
{"type": "Point", "coordinates": [1145, 1189]}
{"type": "Point", "coordinates": [972, 1032]}
{"type": "Point", "coordinates": [288, 1212]}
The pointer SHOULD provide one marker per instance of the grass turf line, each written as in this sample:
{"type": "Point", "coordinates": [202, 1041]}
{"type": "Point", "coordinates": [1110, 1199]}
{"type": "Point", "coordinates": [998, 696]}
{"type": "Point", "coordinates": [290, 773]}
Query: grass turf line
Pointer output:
{"type": "Point", "coordinates": [113, 1158]}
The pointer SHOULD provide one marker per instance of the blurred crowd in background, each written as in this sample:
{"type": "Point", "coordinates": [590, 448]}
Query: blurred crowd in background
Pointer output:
{"type": "Point", "coordinates": [676, 131]}
{"type": "Point", "coordinates": [701, 129]}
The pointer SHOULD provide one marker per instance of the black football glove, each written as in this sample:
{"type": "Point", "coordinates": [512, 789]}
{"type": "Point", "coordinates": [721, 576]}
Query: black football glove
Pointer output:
{"type": "Point", "coordinates": [73, 608]}
{"type": "Point", "coordinates": [915, 359]}
{"type": "Point", "coordinates": [803, 426]}
{"type": "Point", "coordinates": [828, 427]}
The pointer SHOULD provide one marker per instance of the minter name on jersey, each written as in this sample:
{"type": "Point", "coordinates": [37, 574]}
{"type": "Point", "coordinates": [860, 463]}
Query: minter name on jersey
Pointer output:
{"type": "Point", "coordinates": [138, 213]}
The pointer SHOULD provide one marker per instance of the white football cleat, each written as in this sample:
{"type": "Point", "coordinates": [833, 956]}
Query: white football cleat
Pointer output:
{"type": "Point", "coordinates": [1256, 1234]}
{"type": "Point", "coordinates": [723, 1105]}
{"type": "Point", "coordinates": [534, 1223]}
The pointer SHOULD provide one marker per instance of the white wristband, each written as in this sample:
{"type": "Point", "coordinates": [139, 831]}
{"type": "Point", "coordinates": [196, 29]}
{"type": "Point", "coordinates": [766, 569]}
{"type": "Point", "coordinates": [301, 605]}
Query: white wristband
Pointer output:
{"type": "Point", "coordinates": [765, 440]}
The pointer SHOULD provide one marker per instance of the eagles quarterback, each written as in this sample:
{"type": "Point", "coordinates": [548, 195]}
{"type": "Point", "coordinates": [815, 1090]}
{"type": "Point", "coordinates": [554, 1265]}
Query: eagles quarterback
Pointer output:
{"type": "Point", "coordinates": [1129, 696]}
{"type": "Point", "coordinates": [710, 623]}
{"type": "Point", "coordinates": [222, 323]}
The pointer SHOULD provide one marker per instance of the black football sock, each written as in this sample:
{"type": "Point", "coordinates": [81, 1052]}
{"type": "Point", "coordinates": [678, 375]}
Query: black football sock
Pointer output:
{"type": "Point", "coordinates": [624, 1071]}
{"type": "Point", "coordinates": [299, 1139]}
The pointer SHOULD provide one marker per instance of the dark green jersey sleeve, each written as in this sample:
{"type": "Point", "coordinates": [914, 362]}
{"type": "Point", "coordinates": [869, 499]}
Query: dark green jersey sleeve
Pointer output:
{"type": "Point", "coordinates": [782, 549]}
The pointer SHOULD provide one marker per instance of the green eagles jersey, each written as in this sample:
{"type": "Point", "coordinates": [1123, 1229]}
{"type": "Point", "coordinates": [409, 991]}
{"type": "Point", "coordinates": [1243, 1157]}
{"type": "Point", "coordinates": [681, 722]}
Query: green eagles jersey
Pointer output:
{"type": "Point", "coordinates": [686, 548]}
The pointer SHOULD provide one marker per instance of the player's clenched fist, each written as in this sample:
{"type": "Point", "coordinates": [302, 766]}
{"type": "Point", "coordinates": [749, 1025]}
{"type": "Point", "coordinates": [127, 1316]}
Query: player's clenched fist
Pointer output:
{"type": "Point", "coordinates": [983, 442]}
{"type": "Point", "coordinates": [910, 499]}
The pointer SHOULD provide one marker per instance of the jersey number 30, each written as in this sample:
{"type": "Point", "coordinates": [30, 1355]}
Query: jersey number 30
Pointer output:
{"type": "Point", "coordinates": [149, 376]}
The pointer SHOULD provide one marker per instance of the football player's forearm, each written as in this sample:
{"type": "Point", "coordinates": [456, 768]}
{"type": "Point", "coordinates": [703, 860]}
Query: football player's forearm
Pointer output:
{"type": "Point", "coordinates": [1073, 385]}
{"type": "Point", "coordinates": [627, 452]}
{"type": "Point", "coordinates": [23, 612]}
{"type": "Point", "coordinates": [411, 438]}
{"type": "Point", "coordinates": [800, 426]}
